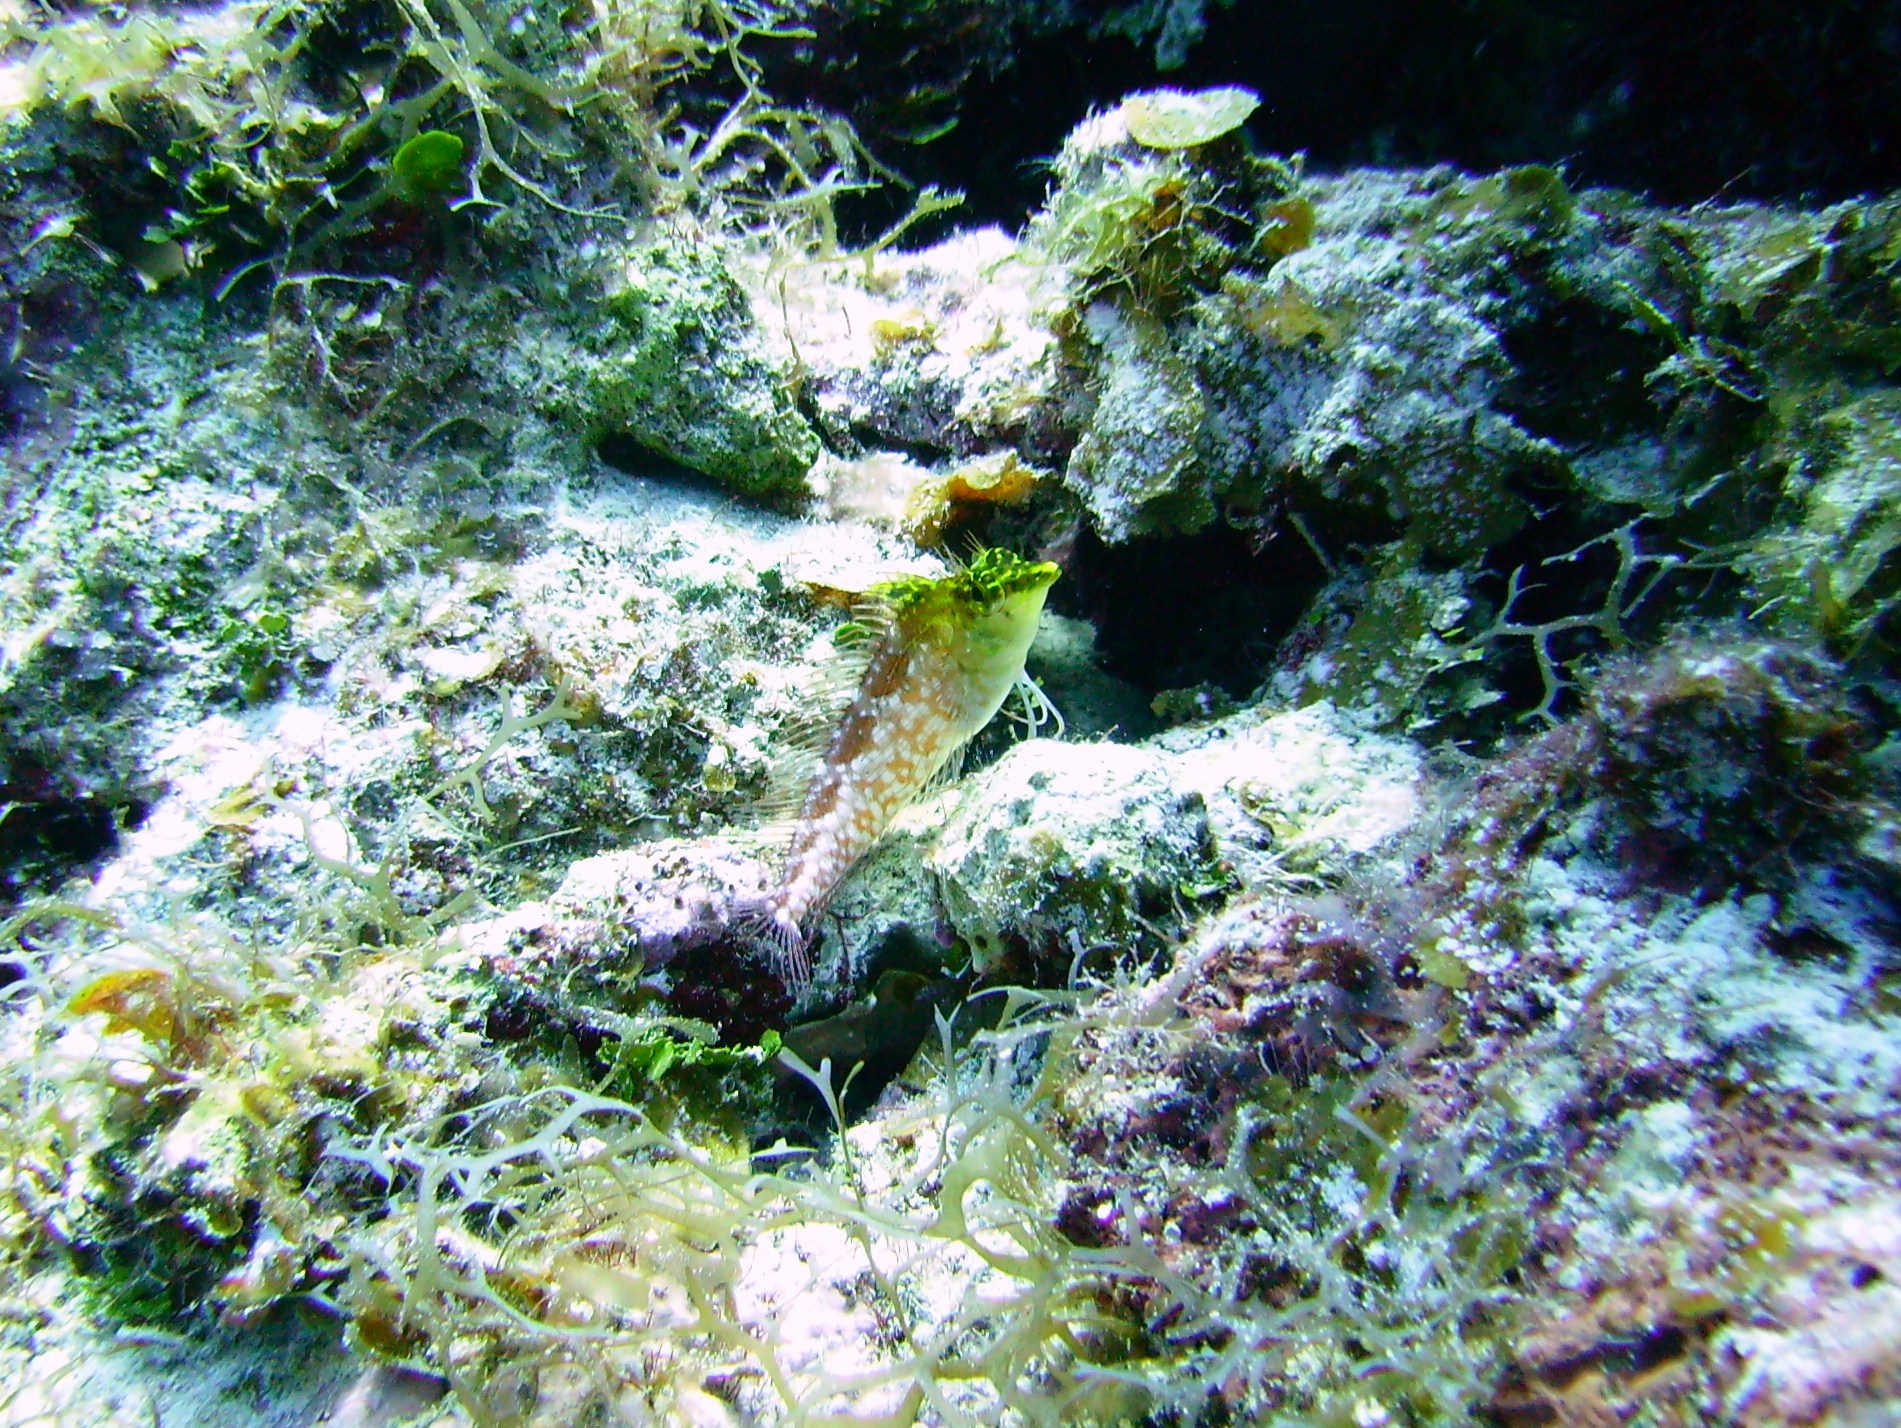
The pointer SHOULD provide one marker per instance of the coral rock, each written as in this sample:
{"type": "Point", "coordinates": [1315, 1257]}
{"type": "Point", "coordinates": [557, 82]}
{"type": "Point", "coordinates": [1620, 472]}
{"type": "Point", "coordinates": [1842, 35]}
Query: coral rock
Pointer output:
{"type": "Point", "coordinates": [684, 374]}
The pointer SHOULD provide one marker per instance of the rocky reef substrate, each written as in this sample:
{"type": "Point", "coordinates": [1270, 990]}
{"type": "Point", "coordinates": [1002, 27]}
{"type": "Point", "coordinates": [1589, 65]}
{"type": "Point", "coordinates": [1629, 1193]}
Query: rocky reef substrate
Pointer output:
{"type": "Point", "coordinates": [1442, 971]}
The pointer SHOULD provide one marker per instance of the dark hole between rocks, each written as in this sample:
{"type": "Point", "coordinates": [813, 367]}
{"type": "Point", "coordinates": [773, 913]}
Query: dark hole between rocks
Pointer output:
{"type": "Point", "coordinates": [1661, 1345]}
{"type": "Point", "coordinates": [630, 457]}
{"type": "Point", "coordinates": [872, 1040]}
{"type": "Point", "coordinates": [45, 835]}
{"type": "Point", "coordinates": [1186, 611]}
{"type": "Point", "coordinates": [1812, 945]}
{"type": "Point", "coordinates": [1579, 376]}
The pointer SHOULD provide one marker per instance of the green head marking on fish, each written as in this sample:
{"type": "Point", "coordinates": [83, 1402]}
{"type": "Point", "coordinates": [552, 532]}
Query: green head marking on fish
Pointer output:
{"type": "Point", "coordinates": [983, 615]}
{"type": "Point", "coordinates": [992, 575]}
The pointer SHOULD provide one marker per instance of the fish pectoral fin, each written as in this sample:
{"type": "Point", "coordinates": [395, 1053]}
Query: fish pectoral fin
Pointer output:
{"type": "Point", "coordinates": [948, 773]}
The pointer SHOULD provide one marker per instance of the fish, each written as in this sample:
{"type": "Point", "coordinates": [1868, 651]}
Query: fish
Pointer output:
{"type": "Point", "coordinates": [937, 659]}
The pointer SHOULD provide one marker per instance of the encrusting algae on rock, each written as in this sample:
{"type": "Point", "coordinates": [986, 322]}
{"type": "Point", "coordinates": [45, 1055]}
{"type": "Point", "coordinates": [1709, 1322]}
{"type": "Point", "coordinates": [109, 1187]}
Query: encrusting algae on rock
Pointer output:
{"type": "Point", "coordinates": [939, 659]}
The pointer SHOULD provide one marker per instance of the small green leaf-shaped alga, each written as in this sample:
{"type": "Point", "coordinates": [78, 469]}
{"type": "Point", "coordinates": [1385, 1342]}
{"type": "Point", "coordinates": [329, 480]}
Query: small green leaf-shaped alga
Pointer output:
{"type": "Point", "coordinates": [430, 163]}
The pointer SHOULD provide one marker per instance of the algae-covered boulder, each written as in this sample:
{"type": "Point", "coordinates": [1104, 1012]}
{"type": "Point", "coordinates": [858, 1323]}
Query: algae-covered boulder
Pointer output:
{"type": "Point", "coordinates": [1063, 844]}
{"type": "Point", "coordinates": [1131, 467]}
{"type": "Point", "coordinates": [682, 372]}
{"type": "Point", "coordinates": [1155, 201]}
{"type": "Point", "coordinates": [1830, 570]}
{"type": "Point", "coordinates": [935, 349]}
{"type": "Point", "coordinates": [1250, 339]}
{"type": "Point", "coordinates": [1727, 758]}
{"type": "Point", "coordinates": [1149, 224]}
{"type": "Point", "coordinates": [1362, 379]}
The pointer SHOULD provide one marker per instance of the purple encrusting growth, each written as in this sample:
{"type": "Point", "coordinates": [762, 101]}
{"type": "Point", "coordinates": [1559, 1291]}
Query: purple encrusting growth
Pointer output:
{"type": "Point", "coordinates": [946, 655]}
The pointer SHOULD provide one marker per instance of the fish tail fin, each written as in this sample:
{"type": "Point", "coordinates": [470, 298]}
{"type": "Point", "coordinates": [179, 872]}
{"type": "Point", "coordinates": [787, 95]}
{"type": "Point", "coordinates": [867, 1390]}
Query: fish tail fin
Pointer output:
{"type": "Point", "coordinates": [768, 919]}
{"type": "Point", "coordinates": [791, 954]}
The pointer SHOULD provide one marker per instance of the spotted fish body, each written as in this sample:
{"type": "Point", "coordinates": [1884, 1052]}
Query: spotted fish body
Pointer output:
{"type": "Point", "coordinates": [947, 653]}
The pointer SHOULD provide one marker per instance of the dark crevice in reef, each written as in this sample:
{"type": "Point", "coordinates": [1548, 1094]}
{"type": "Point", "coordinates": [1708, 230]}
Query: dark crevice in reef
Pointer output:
{"type": "Point", "coordinates": [1009, 125]}
{"type": "Point", "coordinates": [1568, 557]}
{"type": "Point", "coordinates": [1579, 375]}
{"type": "Point", "coordinates": [336, 42]}
{"type": "Point", "coordinates": [878, 1033]}
{"type": "Point", "coordinates": [1567, 570]}
{"type": "Point", "coordinates": [631, 458]}
{"type": "Point", "coordinates": [46, 834]}
{"type": "Point", "coordinates": [1183, 612]}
